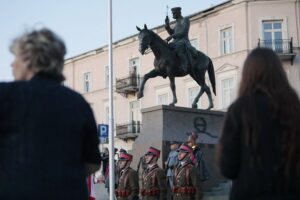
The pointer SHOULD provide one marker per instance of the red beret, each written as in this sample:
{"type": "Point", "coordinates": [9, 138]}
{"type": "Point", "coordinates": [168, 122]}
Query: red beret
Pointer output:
{"type": "Point", "coordinates": [125, 156]}
{"type": "Point", "coordinates": [153, 151]}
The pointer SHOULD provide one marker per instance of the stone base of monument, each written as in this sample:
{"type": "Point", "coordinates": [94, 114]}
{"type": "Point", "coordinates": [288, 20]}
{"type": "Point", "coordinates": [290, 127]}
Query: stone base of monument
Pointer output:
{"type": "Point", "coordinates": [162, 124]}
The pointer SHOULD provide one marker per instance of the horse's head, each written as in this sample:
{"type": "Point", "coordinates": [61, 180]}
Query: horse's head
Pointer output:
{"type": "Point", "coordinates": [144, 39]}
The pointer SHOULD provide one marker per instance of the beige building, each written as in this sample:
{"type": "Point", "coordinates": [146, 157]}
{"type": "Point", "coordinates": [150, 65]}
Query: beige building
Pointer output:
{"type": "Point", "coordinates": [226, 33]}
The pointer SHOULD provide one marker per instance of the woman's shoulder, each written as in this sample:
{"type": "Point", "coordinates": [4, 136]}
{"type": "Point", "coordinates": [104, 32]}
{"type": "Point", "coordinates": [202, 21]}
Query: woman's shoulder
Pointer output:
{"type": "Point", "coordinates": [12, 88]}
{"type": "Point", "coordinates": [64, 93]}
{"type": "Point", "coordinates": [11, 84]}
{"type": "Point", "coordinates": [238, 103]}
{"type": "Point", "coordinates": [246, 101]}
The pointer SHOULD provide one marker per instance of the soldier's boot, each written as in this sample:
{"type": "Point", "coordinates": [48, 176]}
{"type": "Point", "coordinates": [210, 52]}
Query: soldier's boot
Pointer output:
{"type": "Point", "coordinates": [184, 62]}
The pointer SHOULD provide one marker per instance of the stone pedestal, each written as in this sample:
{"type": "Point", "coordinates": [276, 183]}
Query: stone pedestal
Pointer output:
{"type": "Point", "coordinates": [162, 124]}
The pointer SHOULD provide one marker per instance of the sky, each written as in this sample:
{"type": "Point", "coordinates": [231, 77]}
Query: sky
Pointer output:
{"type": "Point", "coordinates": [83, 24]}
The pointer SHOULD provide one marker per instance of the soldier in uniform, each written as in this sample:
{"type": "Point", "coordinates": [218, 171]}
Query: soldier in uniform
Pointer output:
{"type": "Point", "coordinates": [154, 183]}
{"type": "Point", "coordinates": [128, 183]}
{"type": "Point", "coordinates": [186, 180]}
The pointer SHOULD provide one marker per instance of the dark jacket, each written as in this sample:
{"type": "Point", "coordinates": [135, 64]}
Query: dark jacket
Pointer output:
{"type": "Point", "coordinates": [200, 163]}
{"type": "Point", "coordinates": [47, 133]}
{"type": "Point", "coordinates": [128, 185]}
{"type": "Point", "coordinates": [154, 184]}
{"type": "Point", "coordinates": [254, 178]}
{"type": "Point", "coordinates": [180, 32]}
{"type": "Point", "coordinates": [180, 35]}
{"type": "Point", "coordinates": [187, 183]}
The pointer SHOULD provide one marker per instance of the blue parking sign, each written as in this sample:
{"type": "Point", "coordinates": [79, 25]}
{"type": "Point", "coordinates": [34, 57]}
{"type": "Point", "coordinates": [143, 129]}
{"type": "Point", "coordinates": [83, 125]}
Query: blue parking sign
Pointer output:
{"type": "Point", "coordinates": [103, 133]}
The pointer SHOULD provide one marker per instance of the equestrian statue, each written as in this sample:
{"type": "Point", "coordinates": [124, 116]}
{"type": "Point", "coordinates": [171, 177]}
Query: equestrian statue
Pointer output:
{"type": "Point", "coordinates": [177, 58]}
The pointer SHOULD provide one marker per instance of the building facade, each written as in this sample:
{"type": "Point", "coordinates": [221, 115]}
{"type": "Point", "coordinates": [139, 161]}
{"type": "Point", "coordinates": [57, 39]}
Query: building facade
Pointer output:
{"type": "Point", "coordinates": [226, 33]}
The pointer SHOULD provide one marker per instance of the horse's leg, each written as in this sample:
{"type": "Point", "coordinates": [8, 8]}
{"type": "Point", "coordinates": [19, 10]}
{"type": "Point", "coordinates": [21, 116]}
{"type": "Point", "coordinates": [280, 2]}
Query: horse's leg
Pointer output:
{"type": "Point", "coordinates": [153, 73]}
{"type": "Point", "coordinates": [208, 92]}
{"type": "Point", "coordinates": [194, 105]}
{"type": "Point", "coordinates": [198, 74]}
{"type": "Point", "coordinates": [173, 87]}
{"type": "Point", "coordinates": [204, 88]}
{"type": "Point", "coordinates": [200, 79]}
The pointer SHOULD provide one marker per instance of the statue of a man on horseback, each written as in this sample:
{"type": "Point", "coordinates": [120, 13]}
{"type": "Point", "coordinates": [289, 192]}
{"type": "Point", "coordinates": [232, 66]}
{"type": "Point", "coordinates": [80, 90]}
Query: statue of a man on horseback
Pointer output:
{"type": "Point", "coordinates": [176, 59]}
{"type": "Point", "coordinates": [180, 35]}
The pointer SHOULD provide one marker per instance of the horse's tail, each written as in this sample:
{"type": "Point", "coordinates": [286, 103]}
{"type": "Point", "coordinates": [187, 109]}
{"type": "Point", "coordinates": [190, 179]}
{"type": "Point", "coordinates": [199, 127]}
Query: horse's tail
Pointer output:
{"type": "Point", "coordinates": [211, 75]}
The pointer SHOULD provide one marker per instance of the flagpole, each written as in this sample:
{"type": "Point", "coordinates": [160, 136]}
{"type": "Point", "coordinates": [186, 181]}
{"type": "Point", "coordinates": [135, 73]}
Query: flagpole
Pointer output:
{"type": "Point", "coordinates": [111, 112]}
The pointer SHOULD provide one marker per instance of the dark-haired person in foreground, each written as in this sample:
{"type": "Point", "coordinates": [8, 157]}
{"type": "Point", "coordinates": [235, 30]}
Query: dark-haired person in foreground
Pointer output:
{"type": "Point", "coordinates": [260, 146]}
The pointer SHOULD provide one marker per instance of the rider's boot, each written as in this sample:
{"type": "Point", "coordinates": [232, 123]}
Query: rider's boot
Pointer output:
{"type": "Point", "coordinates": [184, 62]}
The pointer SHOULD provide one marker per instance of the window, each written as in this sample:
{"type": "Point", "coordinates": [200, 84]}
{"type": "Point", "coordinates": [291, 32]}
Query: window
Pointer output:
{"type": "Point", "coordinates": [162, 95]}
{"type": "Point", "coordinates": [87, 82]}
{"type": "Point", "coordinates": [135, 116]}
{"type": "Point", "coordinates": [106, 75]}
{"type": "Point", "coordinates": [162, 99]}
{"type": "Point", "coordinates": [133, 66]}
{"type": "Point", "coordinates": [227, 92]}
{"type": "Point", "coordinates": [106, 71]}
{"type": "Point", "coordinates": [106, 113]}
{"type": "Point", "coordinates": [195, 43]}
{"type": "Point", "coordinates": [272, 34]}
{"type": "Point", "coordinates": [226, 41]}
{"type": "Point", "coordinates": [192, 93]}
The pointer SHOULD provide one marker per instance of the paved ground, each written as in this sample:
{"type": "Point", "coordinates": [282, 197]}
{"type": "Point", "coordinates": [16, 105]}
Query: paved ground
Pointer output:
{"type": "Point", "coordinates": [101, 192]}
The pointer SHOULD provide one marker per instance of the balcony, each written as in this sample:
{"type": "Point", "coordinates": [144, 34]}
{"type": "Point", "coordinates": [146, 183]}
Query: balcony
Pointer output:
{"type": "Point", "coordinates": [283, 48]}
{"type": "Point", "coordinates": [128, 85]}
{"type": "Point", "coordinates": [128, 131]}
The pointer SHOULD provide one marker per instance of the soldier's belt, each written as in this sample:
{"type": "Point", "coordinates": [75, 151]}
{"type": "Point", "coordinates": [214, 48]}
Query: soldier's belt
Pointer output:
{"type": "Point", "coordinates": [122, 193]}
{"type": "Point", "coordinates": [184, 190]}
{"type": "Point", "coordinates": [150, 192]}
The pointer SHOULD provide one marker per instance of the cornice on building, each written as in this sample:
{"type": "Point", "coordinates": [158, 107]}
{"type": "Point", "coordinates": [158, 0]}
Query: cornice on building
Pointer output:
{"type": "Point", "coordinates": [157, 29]}
{"type": "Point", "coordinates": [209, 11]}
{"type": "Point", "coordinates": [226, 67]}
{"type": "Point", "coordinates": [81, 56]}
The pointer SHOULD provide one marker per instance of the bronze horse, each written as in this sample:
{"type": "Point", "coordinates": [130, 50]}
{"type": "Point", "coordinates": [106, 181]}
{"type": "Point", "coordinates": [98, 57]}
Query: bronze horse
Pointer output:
{"type": "Point", "coordinates": [166, 64]}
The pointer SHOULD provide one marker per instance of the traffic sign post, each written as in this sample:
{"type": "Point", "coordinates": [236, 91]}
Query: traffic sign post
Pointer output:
{"type": "Point", "coordinates": [103, 133]}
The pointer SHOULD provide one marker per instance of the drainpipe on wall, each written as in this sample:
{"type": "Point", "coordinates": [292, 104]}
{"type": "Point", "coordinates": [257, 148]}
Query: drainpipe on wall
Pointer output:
{"type": "Point", "coordinates": [73, 81]}
{"type": "Point", "coordinates": [297, 13]}
{"type": "Point", "coordinates": [206, 35]}
{"type": "Point", "coordinates": [247, 26]}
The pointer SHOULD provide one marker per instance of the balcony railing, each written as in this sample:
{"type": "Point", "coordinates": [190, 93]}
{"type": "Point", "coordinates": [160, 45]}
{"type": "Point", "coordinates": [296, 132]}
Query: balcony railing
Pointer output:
{"type": "Point", "coordinates": [128, 131]}
{"type": "Point", "coordinates": [128, 85]}
{"type": "Point", "coordinates": [283, 47]}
